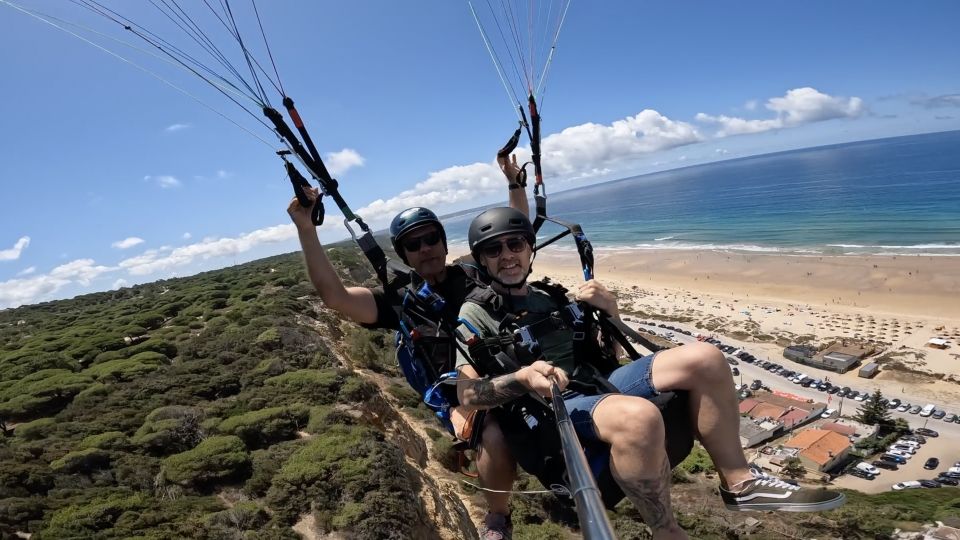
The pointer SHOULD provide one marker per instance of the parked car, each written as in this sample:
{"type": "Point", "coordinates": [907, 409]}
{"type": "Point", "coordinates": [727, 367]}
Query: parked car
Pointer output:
{"type": "Point", "coordinates": [894, 403]}
{"type": "Point", "coordinates": [949, 417]}
{"type": "Point", "coordinates": [926, 432]}
{"type": "Point", "coordinates": [867, 468]}
{"type": "Point", "coordinates": [892, 458]}
{"type": "Point", "coordinates": [833, 389]}
{"type": "Point", "coordinates": [949, 474]}
{"type": "Point", "coordinates": [879, 463]}
{"type": "Point", "coordinates": [756, 384]}
{"type": "Point", "coordinates": [916, 438]}
{"type": "Point", "coordinates": [902, 452]}
{"type": "Point", "coordinates": [931, 464]}
{"type": "Point", "coordinates": [909, 484]}
{"type": "Point", "coordinates": [947, 481]}
{"type": "Point", "coordinates": [862, 474]}
{"type": "Point", "coordinates": [930, 483]}
{"type": "Point", "coordinates": [735, 371]}
{"type": "Point", "coordinates": [860, 397]}
{"type": "Point", "coordinates": [938, 414]}
{"type": "Point", "coordinates": [904, 407]}
{"type": "Point", "coordinates": [916, 409]}
{"type": "Point", "coordinates": [908, 442]}
{"type": "Point", "coordinates": [828, 413]}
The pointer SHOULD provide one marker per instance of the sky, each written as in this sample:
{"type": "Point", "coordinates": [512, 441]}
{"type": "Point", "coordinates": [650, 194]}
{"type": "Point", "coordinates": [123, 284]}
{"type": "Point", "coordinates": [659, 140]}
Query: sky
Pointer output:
{"type": "Point", "coordinates": [111, 177]}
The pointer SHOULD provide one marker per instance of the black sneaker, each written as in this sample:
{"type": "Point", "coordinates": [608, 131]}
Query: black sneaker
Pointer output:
{"type": "Point", "coordinates": [496, 527]}
{"type": "Point", "coordinates": [765, 492]}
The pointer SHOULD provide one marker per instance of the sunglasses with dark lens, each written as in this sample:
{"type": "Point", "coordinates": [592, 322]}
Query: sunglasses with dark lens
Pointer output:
{"type": "Point", "coordinates": [492, 251]}
{"type": "Point", "coordinates": [430, 239]}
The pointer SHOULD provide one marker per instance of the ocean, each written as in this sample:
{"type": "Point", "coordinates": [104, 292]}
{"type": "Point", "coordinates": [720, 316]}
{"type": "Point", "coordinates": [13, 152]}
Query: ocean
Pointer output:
{"type": "Point", "coordinates": [897, 196]}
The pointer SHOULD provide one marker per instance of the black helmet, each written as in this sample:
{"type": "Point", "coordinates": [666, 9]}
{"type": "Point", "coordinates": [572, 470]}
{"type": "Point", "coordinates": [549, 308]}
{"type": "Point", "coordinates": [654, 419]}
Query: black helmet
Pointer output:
{"type": "Point", "coordinates": [410, 219]}
{"type": "Point", "coordinates": [497, 222]}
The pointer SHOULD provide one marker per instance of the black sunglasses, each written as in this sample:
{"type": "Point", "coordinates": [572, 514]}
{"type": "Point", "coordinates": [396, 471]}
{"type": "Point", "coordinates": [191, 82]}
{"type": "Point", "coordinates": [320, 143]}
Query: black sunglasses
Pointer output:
{"type": "Point", "coordinates": [493, 250]}
{"type": "Point", "coordinates": [413, 244]}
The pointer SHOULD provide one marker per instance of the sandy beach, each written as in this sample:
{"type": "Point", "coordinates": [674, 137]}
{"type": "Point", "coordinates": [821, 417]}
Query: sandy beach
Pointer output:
{"type": "Point", "coordinates": [896, 303]}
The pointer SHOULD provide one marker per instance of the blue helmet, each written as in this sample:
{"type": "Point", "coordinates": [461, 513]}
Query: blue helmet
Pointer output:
{"type": "Point", "coordinates": [410, 219]}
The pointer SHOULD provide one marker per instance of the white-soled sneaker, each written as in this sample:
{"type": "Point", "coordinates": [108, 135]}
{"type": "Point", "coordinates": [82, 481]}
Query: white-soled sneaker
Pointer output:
{"type": "Point", "coordinates": [766, 492]}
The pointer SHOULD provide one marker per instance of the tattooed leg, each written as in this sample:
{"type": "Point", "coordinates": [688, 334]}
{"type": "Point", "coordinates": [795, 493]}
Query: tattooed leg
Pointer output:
{"type": "Point", "coordinates": [634, 428]}
{"type": "Point", "coordinates": [651, 496]}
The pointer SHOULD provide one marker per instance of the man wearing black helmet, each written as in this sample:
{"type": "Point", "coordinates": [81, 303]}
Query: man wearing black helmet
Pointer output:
{"type": "Point", "coordinates": [501, 241]}
{"type": "Point", "coordinates": [420, 241]}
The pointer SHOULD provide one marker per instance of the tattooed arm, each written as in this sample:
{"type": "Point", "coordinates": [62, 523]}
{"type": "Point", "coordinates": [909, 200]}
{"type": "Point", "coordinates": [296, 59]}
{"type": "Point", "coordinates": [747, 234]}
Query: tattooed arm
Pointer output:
{"type": "Point", "coordinates": [489, 393]}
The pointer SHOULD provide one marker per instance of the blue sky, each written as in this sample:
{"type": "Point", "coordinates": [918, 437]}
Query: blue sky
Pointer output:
{"type": "Point", "coordinates": [112, 178]}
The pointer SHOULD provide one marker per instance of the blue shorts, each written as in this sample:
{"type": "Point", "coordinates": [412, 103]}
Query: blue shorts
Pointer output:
{"type": "Point", "coordinates": [633, 379]}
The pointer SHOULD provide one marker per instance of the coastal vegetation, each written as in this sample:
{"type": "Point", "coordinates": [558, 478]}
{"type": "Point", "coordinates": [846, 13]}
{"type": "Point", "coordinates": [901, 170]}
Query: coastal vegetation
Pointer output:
{"type": "Point", "coordinates": [231, 404]}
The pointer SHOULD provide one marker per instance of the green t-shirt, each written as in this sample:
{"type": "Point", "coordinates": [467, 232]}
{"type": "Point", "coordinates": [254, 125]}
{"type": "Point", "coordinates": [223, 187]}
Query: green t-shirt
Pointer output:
{"type": "Point", "coordinates": [556, 347]}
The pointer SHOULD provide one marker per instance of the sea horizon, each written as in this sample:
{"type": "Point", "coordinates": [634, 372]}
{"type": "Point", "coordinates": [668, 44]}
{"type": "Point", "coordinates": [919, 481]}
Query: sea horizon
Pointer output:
{"type": "Point", "coordinates": [895, 196]}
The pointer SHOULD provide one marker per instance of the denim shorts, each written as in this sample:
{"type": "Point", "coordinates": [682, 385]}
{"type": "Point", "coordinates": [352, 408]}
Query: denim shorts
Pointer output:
{"type": "Point", "coordinates": [633, 379]}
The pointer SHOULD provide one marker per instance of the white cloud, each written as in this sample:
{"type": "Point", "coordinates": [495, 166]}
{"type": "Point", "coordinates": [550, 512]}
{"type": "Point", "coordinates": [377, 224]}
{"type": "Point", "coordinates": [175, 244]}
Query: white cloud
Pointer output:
{"type": "Point", "coordinates": [222, 174]}
{"type": "Point", "coordinates": [119, 284]}
{"type": "Point", "coordinates": [342, 161]}
{"type": "Point", "coordinates": [721, 151]}
{"type": "Point", "coordinates": [127, 243]}
{"type": "Point", "coordinates": [165, 181]}
{"type": "Point", "coordinates": [750, 105]}
{"type": "Point", "coordinates": [578, 152]}
{"type": "Point", "coordinates": [166, 258]}
{"type": "Point", "coordinates": [15, 292]}
{"type": "Point", "coordinates": [13, 253]}
{"type": "Point", "coordinates": [187, 236]}
{"type": "Point", "coordinates": [81, 270]}
{"type": "Point", "coordinates": [27, 271]}
{"type": "Point", "coordinates": [797, 107]}
{"type": "Point", "coordinates": [172, 128]}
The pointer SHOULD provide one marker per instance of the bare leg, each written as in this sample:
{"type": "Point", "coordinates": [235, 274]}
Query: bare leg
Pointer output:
{"type": "Point", "coordinates": [634, 429]}
{"type": "Point", "coordinates": [701, 369]}
{"type": "Point", "coordinates": [496, 466]}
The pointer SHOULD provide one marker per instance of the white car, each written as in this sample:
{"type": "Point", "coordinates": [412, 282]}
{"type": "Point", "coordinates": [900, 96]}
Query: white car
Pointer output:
{"type": "Point", "coordinates": [904, 408]}
{"type": "Point", "coordinates": [860, 397]}
{"type": "Point", "coordinates": [909, 484]}
{"type": "Point", "coordinates": [903, 448]}
{"type": "Point", "coordinates": [828, 413]}
{"type": "Point", "coordinates": [905, 442]}
{"type": "Point", "coordinates": [899, 453]}
{"type": "Point", "coordinates": [867, 468]}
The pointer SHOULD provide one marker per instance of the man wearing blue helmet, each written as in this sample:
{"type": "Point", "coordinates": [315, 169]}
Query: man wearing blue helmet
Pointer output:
{"type": "Point", "coordinates": [420, 241]}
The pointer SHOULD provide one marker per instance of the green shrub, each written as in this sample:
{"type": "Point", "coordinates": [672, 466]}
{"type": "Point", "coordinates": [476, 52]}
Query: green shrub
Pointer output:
{"type": "Point", "coordinates": [36, 430]}
{"type": "Point", "coordinates": [265, 463]}
{"type": "Point", "coordinates": [125, 369]}
{"type": "Point", "coordinates": [266, 426]}
{"type": "Point", "coordinates": [82, 461]}
{"type": "Point", "coordinates": [109, 440]}
{"type": "Point", "coordinates": [84, 520]}
{"type": "Point", "coordinates": [269, 339]}
{"type": "Point", "coordinates": [216, 459]}
{"type": "Point", "coordinates": [170, 429]}
{"type": "Point", "coordinates": [347, 465]}
{"type": "Point", "coordinates": [317, 386]}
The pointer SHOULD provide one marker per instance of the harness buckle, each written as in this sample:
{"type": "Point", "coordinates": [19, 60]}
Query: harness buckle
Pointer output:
{"type": "Point", "coordinates": [525, 339]}
{"type": "Point", "coordinates": [576, 314]}
{"type": "Point", "coordinates": [579, 335]}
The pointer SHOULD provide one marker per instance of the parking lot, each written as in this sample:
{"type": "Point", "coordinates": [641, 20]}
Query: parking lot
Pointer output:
{"type": "Point", "coordinates": [944, 448]}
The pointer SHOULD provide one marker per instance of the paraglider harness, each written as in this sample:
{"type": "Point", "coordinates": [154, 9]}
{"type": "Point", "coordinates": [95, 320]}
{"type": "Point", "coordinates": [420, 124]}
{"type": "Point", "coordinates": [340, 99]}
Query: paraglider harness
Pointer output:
{"type": "Point", "coordinates": [529, 423]}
